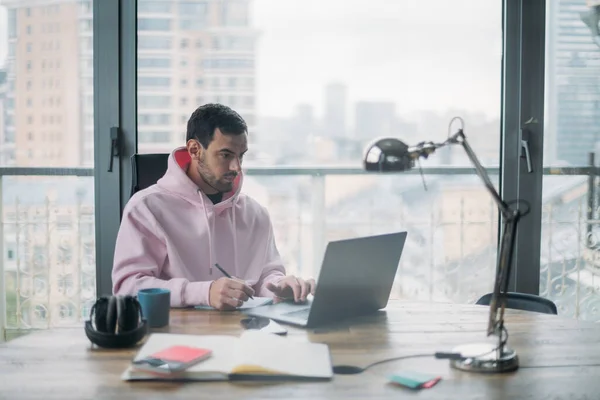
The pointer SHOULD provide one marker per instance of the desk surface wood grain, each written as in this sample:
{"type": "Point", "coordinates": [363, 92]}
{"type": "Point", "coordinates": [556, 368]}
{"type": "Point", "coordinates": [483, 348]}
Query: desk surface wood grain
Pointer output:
{"type": "Point", "coordinates": [559, 358]}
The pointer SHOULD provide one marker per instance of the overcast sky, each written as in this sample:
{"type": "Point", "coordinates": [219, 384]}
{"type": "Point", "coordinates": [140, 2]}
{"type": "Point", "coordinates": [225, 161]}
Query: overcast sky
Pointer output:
{"type": "Point", "coordinates": [421, 54]}
{"type": "Point", "coordinates": [431, 55]}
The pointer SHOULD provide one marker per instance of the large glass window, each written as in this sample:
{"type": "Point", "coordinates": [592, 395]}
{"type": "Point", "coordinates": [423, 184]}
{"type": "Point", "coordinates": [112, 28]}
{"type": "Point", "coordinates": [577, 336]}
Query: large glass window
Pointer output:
{"type": "Point", "coordinates": [570, 262]}
{"type": "Point", "coordinates": [45, 122]}
{"type": "Point", "coordinates": [317, 81]}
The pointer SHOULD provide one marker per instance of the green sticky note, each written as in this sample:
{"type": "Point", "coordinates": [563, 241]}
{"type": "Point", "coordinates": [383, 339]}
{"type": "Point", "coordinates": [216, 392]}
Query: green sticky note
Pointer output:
{"type": "Point", "coordinates": [413, 380]}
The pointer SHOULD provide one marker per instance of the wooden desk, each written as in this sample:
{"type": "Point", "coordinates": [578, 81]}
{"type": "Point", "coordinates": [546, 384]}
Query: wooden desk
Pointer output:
{"type": "Point", "coordinates": [560, 359]}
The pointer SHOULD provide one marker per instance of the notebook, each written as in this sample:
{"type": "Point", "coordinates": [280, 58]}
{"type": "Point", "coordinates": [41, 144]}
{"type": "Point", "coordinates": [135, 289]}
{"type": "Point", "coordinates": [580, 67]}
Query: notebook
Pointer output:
{"type": "Point", "coordinates": [254, 355]}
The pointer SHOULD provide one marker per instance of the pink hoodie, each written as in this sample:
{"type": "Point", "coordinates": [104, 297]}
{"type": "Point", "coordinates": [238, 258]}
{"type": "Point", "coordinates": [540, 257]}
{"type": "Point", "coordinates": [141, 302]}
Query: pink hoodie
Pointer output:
{"type": "Point", "coordinates": [171, 236]}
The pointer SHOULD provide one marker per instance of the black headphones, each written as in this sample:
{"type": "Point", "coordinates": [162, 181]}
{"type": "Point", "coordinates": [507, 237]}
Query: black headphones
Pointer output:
{"type": "Point", "coordinates": [117, 322]}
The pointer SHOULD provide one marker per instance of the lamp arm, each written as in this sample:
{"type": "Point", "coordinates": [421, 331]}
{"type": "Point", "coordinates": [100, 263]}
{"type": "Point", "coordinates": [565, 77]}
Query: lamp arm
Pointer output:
{"type": "Point", "coordinates": [424, 149]}
{"type": "Point", "coordinates": [503, 269]}
{"type": "Point", "coordinates": [460, 138]}
{"type": "Point", "coordinates": [510, 219]}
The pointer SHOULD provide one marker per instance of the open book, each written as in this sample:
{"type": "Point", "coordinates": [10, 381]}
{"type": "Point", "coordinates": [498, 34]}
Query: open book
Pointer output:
{"type": "Point", "coordinates": [253, 355]}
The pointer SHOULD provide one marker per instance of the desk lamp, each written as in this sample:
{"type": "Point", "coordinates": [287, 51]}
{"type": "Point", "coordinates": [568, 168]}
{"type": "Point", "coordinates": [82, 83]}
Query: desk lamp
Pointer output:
{"type": "Point", "coordinates": [392, 155]}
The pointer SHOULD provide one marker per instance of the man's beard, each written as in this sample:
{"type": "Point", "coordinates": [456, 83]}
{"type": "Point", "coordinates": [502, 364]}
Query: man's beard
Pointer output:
{"type": "Point", "coordinates": [211, 180]}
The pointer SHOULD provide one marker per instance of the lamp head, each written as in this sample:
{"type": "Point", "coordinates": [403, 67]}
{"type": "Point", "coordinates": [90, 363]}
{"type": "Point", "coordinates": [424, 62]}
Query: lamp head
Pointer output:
{"type": "Point", "coordinates": [388, 155]}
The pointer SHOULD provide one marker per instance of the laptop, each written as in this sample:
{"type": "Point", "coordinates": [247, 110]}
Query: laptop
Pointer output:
{"type": "Point", "coordinates": [356, 279]}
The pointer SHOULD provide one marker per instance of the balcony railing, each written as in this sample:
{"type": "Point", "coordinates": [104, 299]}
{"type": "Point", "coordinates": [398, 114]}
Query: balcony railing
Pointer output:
{"type": "Point", "coordinates": [47, 269]}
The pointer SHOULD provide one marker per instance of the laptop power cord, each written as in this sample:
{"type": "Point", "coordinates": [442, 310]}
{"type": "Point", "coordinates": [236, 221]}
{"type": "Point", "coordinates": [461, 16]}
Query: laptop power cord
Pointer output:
{"type": "Point", "coordinates": [353, 369]}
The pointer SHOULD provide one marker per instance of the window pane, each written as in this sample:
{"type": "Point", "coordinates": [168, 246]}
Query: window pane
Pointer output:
{"type": "Point", "coordinates": [153, 82]}
{"type": "Point", "coordinates": [570, 231]}
{"type": "Point", "coordinates": [193, 15]}
{"type": "Point", "coordinates": [150, 63]}
{"type": "Point", "coordinates": [154, 24]}
{"type": "Point", "coordinates": [234, 13]}
{"type": "Point", "coordinates": [316, 82]}
{"type": "Point", "coordinates": [12, 23]}
{"type": "Point", "coordinates": [154, 43]}
{"type": "Point", "coordinates": [152, 6]}
{"type": "Point", "coordinates": [150, 101]}
{"type": "Point", "coordinates": [153, 137]}
{"type": "Point", "coordinates": [193, 9]}
{"type": "Point", "coordinates": [154, 119]}
{"type": "Point", "coordinates": [47, 121]}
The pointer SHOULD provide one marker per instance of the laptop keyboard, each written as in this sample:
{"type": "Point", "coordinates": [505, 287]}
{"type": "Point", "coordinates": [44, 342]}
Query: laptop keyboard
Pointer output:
{"type": "Point", "coordinates": [302, 314]}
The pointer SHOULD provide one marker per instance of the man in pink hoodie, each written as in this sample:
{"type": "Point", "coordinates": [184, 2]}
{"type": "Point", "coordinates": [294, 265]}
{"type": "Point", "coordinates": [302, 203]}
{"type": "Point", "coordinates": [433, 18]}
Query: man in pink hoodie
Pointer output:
{"type": "Point", "coordinates": [173, 233]}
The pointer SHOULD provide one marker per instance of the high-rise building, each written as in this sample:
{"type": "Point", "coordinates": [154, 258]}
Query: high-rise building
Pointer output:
{"type": "Point", "coordinates": [49, 82]}
{"type": "Point", "coordinates": [572, 127]}
{"type": "Point", "coordinates": [374, 119]}
{"type": "Point", "coordinates": [334, 119]}
{"type": "Point", "coordinates": [189, 53]}
{"type": "Point", "coordinates": [303, 127]}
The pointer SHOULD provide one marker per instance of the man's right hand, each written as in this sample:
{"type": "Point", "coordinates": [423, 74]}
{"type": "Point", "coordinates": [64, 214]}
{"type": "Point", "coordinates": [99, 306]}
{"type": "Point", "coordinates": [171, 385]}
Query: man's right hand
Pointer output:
{"type": "Point", "coordinates": [228, 294]}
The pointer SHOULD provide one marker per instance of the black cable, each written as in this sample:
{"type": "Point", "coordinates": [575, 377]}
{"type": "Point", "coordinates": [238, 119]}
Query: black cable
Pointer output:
{"type": "Point", "coordinates": [353, 369]}
{"type": "Point", "coordinates": [397, 358]}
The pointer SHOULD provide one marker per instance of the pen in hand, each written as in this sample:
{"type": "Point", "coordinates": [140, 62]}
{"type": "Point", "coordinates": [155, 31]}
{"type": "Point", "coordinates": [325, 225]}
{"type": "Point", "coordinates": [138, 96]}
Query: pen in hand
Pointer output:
{"type": "Point", "coordinates": [227, 275]}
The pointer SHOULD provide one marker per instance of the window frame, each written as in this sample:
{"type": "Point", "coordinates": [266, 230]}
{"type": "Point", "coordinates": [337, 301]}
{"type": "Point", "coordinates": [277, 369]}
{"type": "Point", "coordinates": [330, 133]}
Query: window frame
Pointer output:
{"type": "Point", "coordinates": [115, 105]}
{"type": "Point", "coordinates": [522, 99]}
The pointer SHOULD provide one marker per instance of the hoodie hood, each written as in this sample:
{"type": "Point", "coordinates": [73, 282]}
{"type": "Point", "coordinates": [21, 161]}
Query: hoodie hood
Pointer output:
{"type": "Point", "coordinates": [177, 182]}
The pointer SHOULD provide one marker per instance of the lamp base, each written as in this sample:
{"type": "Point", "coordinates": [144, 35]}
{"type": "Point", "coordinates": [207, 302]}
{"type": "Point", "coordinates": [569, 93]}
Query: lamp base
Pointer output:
{"type": "Point", "coordinates": [485, 358]}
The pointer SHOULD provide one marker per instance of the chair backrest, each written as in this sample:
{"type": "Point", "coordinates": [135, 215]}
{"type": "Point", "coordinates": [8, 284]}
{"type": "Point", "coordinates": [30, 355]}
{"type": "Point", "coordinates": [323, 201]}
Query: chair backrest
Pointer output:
{"type": "Point", "coordinates": [147, 169]}
{"type": "Point", "coordinates": [524, 301]}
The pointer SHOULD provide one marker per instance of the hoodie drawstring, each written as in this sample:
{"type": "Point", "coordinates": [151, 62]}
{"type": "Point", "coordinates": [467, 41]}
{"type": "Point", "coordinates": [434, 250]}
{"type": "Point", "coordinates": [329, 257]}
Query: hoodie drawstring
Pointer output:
{"type": "Point", "coordinates": [235, 260]}
{"type": "Point", "coordinates": [178, 183]}
{"type": "Point", "coordinates": [210, 234]}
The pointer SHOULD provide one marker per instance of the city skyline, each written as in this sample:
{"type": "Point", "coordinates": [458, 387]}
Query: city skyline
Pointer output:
{"type": "Point", "coordinates": [196, 52]}
{"type": "Point", "coordinates": [349, 43]}
{"type": "Point", "coordinates": [291, 67]}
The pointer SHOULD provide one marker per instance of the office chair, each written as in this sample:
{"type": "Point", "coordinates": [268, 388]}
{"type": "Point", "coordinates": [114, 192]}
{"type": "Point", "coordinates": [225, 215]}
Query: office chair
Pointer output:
{"type": "Point", "coordinates": [146, 170]}
{"type": "Point", "coordinates": [523, 301]}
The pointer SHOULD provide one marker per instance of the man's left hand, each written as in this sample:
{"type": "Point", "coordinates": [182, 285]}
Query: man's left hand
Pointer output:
{"type": "Point", "coordinates": [292, 287]}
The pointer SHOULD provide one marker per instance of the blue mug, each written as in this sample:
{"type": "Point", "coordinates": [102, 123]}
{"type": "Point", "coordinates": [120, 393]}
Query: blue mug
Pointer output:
{"type": "Point", "coordinates": [156, 304]}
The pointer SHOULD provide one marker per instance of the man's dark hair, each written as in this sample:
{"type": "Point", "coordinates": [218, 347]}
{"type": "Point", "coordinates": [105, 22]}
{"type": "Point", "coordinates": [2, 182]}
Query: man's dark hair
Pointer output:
{"type": "Point", "coordinates": [208, 117]}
